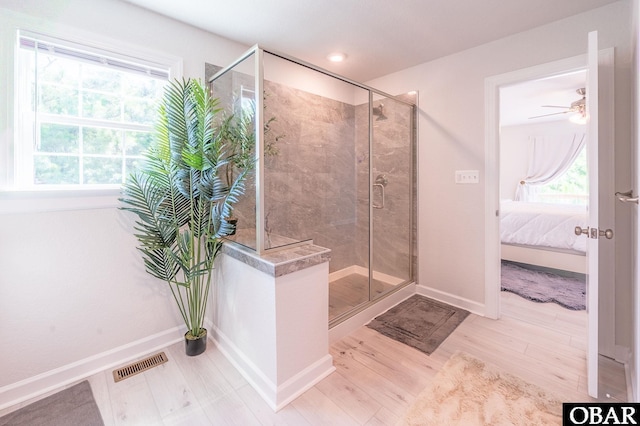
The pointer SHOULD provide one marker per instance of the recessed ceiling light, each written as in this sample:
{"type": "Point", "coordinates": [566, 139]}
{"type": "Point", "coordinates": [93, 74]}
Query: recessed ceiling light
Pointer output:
{"type": "Point", "coordinates": [336, 57]}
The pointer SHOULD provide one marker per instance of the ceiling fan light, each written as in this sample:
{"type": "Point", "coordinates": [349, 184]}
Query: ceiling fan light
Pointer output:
{"type": "Point", "coordinates": [578, 118]}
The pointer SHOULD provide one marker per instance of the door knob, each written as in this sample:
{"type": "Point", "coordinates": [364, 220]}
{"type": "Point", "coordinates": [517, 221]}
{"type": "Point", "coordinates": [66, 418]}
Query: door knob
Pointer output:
{"type": "Point", "coordinates": [608, 234]}
{"type": "Point", "coordinates": [627, 197]}
{"type": "Point", "coordinates": [595, 233]}
{"type": "Point", "coordinates": [579, 231]}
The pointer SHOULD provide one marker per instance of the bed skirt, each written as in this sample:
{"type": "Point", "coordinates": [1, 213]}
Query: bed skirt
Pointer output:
{"type": "Point", "coordinates": [565, 260]}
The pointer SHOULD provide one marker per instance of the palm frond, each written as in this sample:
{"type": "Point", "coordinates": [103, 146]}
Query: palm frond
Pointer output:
{"type": "Point", "coordinates": [160, 263]}
{"type": "Point", "coordinates": [223, 206]}
{"type": "Point", "coordinates": [143, 196]}
{"type": "Point", "coordinates": [182, 194]}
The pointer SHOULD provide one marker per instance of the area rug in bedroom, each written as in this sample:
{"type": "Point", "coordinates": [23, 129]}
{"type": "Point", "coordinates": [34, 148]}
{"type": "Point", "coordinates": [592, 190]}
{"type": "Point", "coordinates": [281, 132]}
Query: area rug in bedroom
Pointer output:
{"type": "Point", "coordinates": [544, 287]}
{"type": "Point", "coordinates": [466, 391]}
{"type": "Point", "coordinates": [419, 322]}
{"type": "Point", "coordinates": [73, 406]}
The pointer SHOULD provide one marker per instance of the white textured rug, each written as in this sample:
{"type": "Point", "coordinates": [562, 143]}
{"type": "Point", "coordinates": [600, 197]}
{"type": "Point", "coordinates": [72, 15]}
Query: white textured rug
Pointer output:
{"type": "Point", "coordinates": [469, 392]}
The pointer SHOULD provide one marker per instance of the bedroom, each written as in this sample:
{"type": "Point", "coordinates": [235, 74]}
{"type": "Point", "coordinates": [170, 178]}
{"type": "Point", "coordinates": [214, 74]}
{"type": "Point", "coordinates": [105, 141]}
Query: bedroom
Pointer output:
{"type": "Point", "coordinates": [544, 189]}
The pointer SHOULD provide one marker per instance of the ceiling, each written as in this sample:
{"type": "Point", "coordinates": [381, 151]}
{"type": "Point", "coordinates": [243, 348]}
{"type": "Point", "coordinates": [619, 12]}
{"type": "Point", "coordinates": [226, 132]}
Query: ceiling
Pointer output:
{"type": "Point", "coordinates": [520, 102]}
{"type": "Point", "coordinates": [379, 36]}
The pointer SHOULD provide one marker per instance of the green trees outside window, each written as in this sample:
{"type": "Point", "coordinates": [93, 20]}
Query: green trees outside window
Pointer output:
{"type": "Point", "coordinates": [86, 123]}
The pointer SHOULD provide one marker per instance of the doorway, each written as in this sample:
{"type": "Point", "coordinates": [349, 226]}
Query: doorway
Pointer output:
{"type": "Point", "coordinates": [544, 189]}
{"type": "Point", "coordinates": [493, 251]}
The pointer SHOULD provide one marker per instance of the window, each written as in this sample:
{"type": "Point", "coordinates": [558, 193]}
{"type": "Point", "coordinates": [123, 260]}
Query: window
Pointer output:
{"type": "Point", "coordinates": [572, 187]}
{"type": "Point", "coordinates": [83, 116]}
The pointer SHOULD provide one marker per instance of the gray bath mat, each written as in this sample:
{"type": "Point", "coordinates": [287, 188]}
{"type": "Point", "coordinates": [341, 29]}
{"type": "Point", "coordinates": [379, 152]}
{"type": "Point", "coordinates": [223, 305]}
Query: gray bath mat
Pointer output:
{"type": "Point", "coordinates": [419, 322]}
{"type": "Point", "coordinates": [544, 287]}
{"type": "Point", "coordinates": [73, 406]}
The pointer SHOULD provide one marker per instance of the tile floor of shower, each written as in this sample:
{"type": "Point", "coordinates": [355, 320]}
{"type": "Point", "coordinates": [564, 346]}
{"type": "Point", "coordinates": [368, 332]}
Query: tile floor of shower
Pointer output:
{"type": "Point", "coordinates": [347, 292]}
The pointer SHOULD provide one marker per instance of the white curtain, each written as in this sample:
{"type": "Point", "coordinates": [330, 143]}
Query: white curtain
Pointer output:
{"type": "Point", "coordinates": [551, 156]}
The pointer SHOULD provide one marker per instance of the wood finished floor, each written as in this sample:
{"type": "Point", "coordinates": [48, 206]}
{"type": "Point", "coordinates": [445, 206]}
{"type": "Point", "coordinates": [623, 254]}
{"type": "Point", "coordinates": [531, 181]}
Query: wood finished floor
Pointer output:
{"type": "Point", "coordinates": [376, 379]}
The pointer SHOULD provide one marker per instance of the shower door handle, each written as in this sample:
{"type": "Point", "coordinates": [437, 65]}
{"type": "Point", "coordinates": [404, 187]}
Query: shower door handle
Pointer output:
{"type": "Point", "coordinates": [381, 186]}
{"type": "Point", "coordinates": [381, 182]}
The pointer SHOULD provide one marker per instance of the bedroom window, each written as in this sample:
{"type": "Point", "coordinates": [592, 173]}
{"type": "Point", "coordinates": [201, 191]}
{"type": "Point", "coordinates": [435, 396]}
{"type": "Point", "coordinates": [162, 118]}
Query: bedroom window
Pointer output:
{"type": "Point", "coordinates": [572, 187]}
{"type": "Point", "coordinates": [83, 116]}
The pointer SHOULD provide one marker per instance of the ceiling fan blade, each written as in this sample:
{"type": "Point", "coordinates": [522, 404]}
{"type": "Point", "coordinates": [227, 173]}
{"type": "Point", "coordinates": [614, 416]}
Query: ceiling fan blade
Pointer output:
{"type": "Point", "coordinates": [546, 115]}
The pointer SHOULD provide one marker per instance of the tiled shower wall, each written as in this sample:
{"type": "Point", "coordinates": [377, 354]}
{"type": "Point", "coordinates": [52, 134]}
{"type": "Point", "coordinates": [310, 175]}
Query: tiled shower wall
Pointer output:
{"type": "Point", "coordinates": [317, 185]}
{"type": "Point", "coordinates": [310, 182]}
{"type": "Point", "coordinates": [317, 178]}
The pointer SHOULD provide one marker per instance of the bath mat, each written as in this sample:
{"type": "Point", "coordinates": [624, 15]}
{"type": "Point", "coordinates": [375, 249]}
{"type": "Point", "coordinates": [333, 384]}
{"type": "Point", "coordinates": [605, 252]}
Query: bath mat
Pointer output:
{"type": "Point", "coordinates": [73, 406]}
{"type": "Point", "coordinates": [419, 322]}
{"type": "Point", "coordinates": [544, 287]}
{"type": "Point", "coordinates": [466, 391]}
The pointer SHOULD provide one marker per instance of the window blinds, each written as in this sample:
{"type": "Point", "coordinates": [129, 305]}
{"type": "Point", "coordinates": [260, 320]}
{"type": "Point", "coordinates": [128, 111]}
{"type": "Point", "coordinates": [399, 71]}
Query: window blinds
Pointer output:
{"type": "Point", "coordinates": [58, 49]}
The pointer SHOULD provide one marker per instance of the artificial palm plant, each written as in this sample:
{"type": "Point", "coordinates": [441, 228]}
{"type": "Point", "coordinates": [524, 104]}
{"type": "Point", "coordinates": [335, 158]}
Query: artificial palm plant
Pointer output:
{"type": "Point", "coordinates": [181, 197]}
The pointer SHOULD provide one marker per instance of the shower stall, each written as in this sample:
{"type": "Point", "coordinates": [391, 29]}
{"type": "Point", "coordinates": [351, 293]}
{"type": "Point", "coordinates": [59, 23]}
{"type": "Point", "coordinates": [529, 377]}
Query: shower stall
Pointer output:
{"type": "Point", "coordinates": [334, 165]}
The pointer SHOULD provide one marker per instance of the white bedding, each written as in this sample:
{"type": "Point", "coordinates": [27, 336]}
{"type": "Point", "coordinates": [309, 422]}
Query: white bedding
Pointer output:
{"type": "Point", "coordinates": [543, 225]}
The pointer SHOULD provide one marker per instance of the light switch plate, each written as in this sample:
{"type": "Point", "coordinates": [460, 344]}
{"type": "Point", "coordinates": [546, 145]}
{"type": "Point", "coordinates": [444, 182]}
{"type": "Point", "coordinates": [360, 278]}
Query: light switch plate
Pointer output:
{"type": "Point", "coordinates": [467, 176]}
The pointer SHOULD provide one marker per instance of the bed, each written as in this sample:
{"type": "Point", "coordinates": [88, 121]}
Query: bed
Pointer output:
{"type": "Point", "coordinates": [543, 234]}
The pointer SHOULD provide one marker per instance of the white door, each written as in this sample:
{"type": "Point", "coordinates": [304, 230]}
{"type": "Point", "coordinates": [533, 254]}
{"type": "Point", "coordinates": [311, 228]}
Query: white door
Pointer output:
{"type": "Point", "coordinates": [635, 364]}
{"type": "Point", "coordinates": [600, 251]}
{"type": "Point", "coordinates": [592, 243]}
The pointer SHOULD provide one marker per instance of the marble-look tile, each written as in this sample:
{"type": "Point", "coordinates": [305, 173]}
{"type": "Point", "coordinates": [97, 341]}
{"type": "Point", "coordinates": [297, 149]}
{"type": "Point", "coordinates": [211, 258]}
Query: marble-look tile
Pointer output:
{"type": "Point", "coordinates": [317, 179]}
{"type": "Point", "coordinates": [281, 262]}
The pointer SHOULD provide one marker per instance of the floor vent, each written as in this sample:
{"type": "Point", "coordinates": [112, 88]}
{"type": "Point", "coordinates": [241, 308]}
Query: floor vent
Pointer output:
{"type": "Point", "coordinates": [138, 367]}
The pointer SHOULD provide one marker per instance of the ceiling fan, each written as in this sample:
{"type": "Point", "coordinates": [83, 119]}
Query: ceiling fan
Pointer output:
{"type": "Point", "coordinates": [578, 107]}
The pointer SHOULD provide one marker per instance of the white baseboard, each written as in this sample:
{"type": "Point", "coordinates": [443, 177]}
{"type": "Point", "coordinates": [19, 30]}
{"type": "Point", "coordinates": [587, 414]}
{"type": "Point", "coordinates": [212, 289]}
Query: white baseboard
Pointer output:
{"type": "Point", "coordinates": [622, 354]}
{"type": "Point", "coordinates": [451, 299]}
{"type": "Point", "coordinates": [628, 375]}
{"type": "Point", "coordinates": [632, 385]}
{"type": "Point", "coordinates": [276, 396]}
{"type": "Point", "coordinates": [261, 383]}
{"type": "Point", "coordinates": [40, 384]}
{"type": "Point", "coordinates": [304, 380]}
{"type": "Point", "coordinates": [361, 270]}
{"type": "Point", "coordinates": [363, 317]}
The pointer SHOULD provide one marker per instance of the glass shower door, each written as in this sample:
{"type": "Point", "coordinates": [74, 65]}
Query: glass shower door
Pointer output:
{"type": "Point", "coordinates": [392, 195]}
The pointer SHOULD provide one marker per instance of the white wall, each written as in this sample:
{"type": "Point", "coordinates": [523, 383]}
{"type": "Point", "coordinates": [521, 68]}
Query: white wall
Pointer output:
{"type": "Point", "coordinates": [290, 74]}
{"type": "Point", "coordinates": [452, 132]}
{"type": "Point", "coordinates": [273, 328]}
{"type": "Point", "coordinates": [72, 285]}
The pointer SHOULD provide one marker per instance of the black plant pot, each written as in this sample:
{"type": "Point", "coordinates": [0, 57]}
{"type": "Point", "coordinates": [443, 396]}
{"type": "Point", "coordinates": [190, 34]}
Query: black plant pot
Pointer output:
{"type": "Point", "coordinates": [195, 345]}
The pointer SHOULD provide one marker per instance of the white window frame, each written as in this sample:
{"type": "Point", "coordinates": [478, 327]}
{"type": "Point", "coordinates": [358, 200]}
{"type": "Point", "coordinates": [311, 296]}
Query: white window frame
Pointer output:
{"type": "Point", "coordinates": [14, 199]}
{"type": "Point", "coordinates": [24, 149]}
